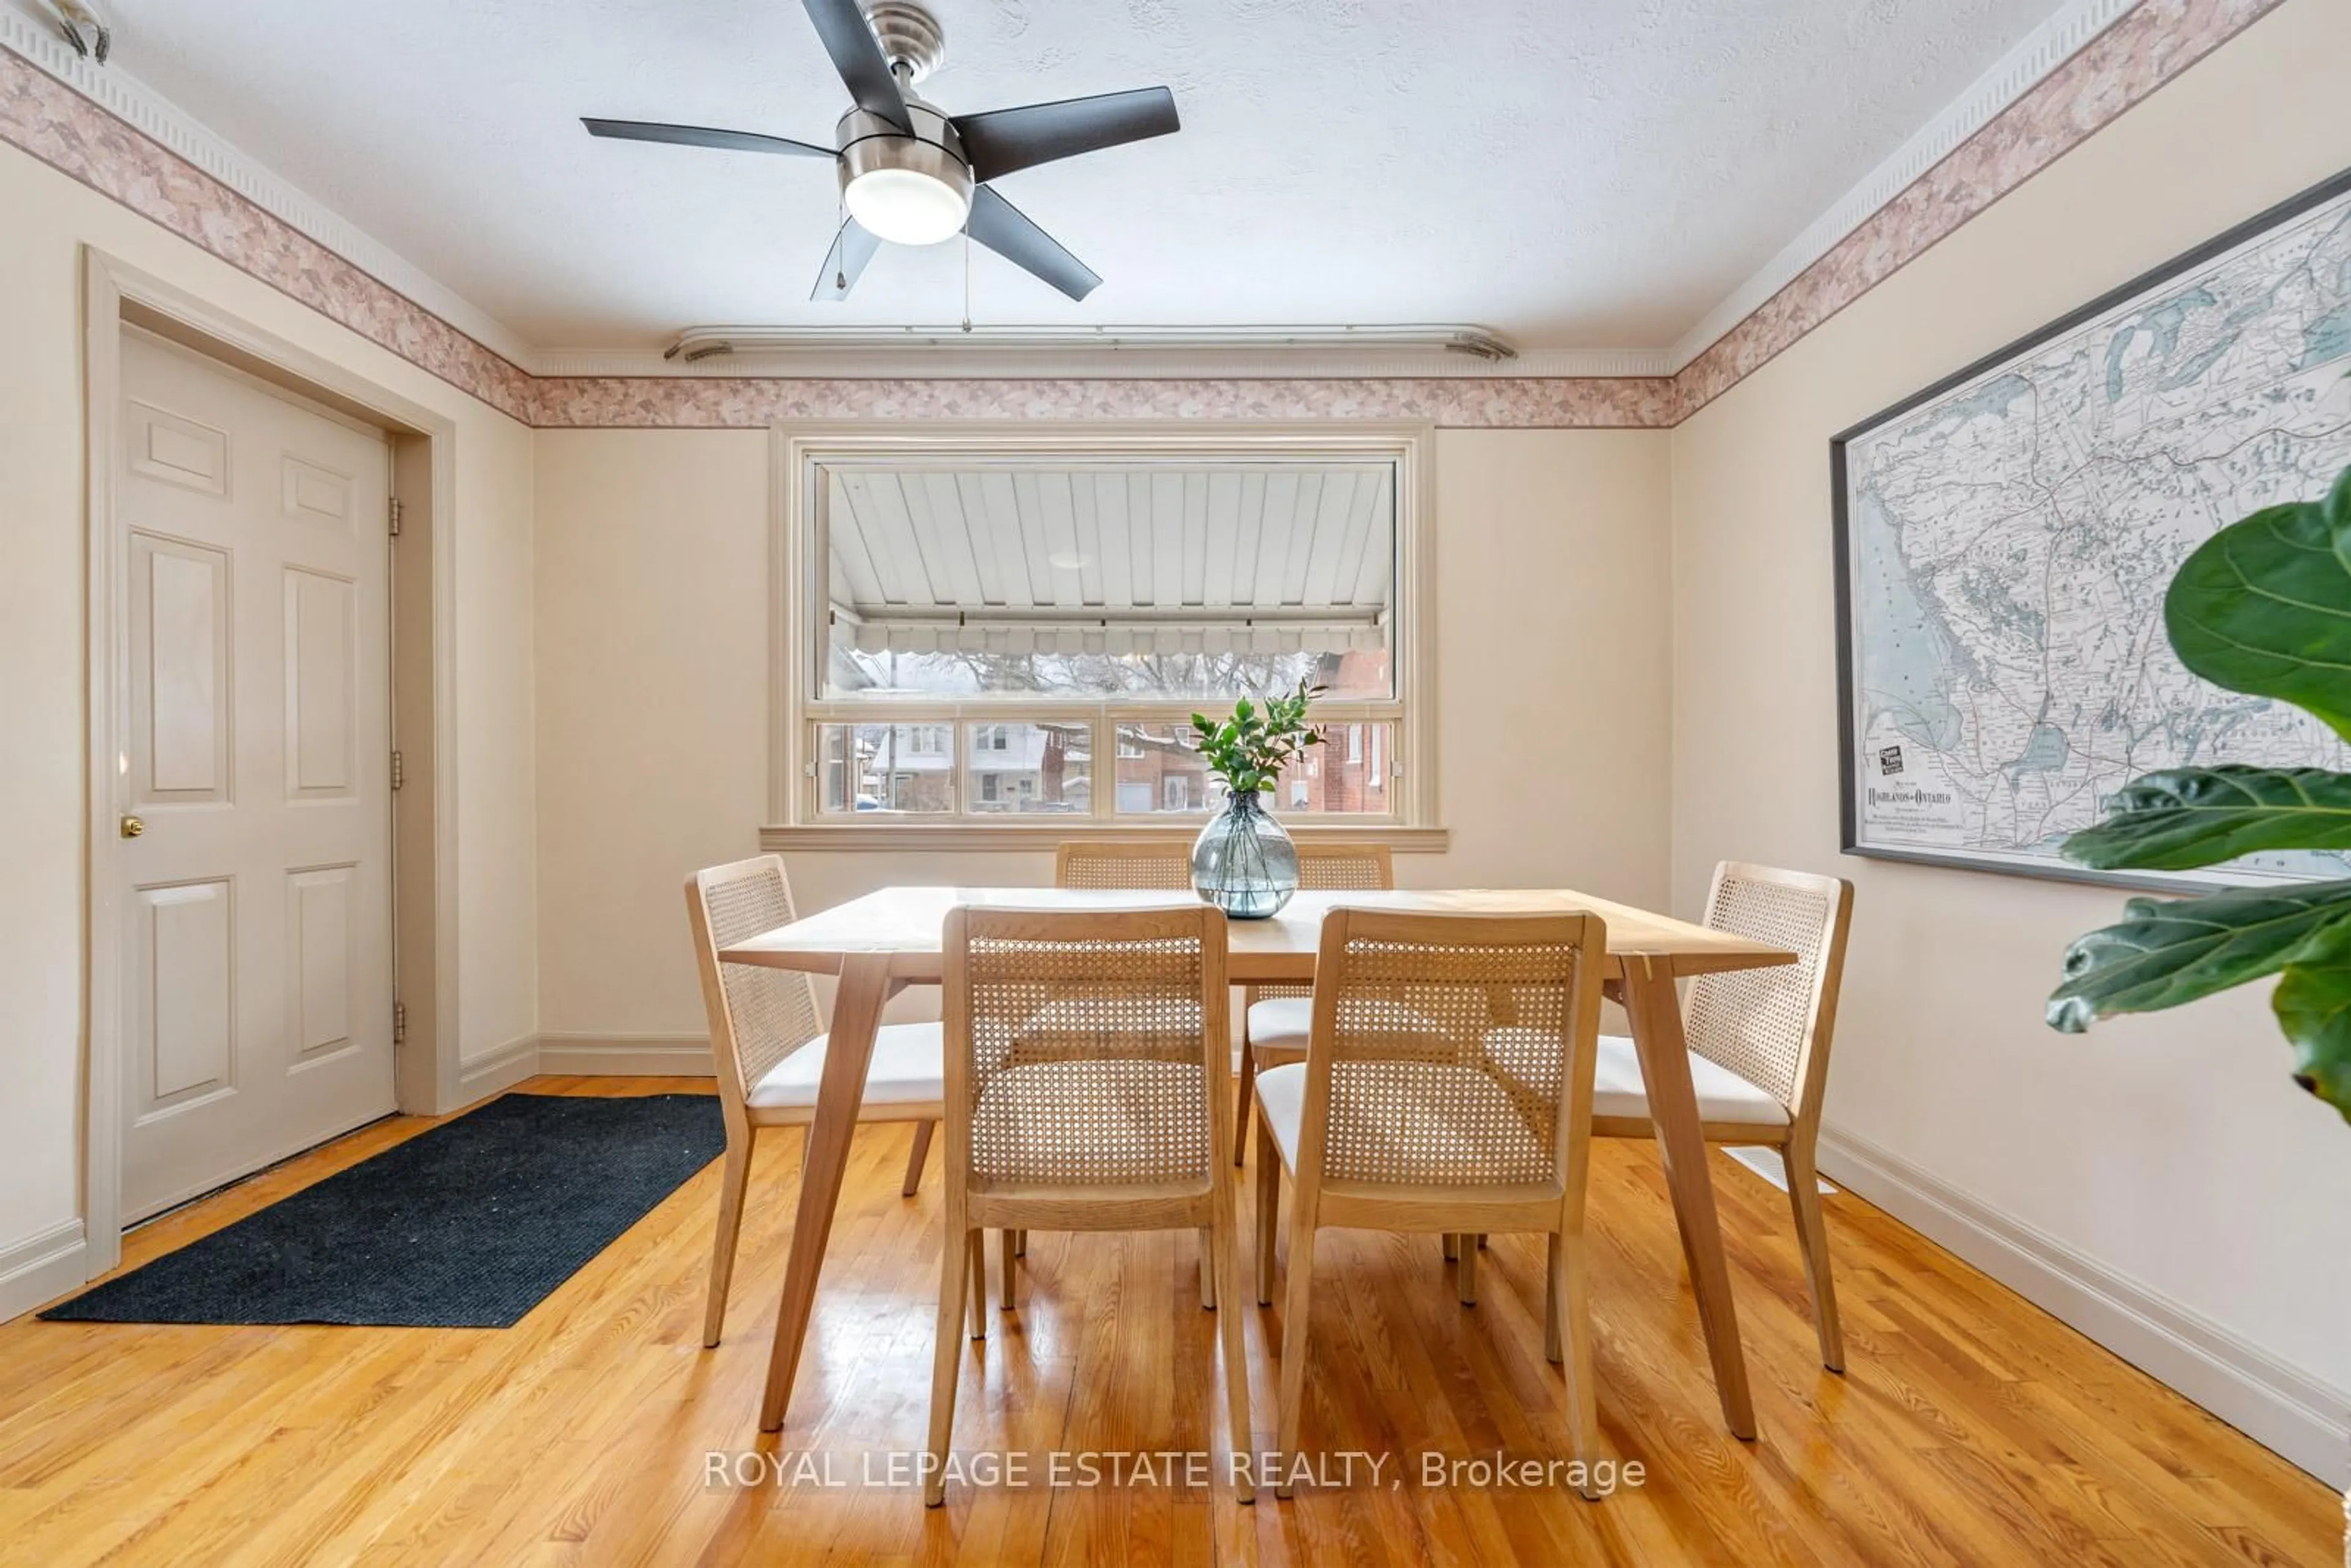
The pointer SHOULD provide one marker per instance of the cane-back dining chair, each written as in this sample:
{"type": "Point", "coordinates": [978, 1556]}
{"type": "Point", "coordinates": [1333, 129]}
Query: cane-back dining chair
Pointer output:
{"type": "Point", "coordinates": [1152, 865]}
{"type": "Point", "coordinates": [1088, 1060]}
{"type": "Point", "coordinates": [1447, 1088]}
{"type": "Point", "coordinates": [1758, 1048]}
{"type": "Point", "coordinates": [767, 1042]}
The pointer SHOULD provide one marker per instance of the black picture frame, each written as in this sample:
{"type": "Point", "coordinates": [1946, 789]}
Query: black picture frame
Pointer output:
{"type": "Point", "coordinates": [1848, 755]}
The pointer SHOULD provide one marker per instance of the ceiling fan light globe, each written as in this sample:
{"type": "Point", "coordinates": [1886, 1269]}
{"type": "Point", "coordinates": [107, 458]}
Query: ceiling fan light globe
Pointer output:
{"type": "Point", "coordinates": [906, 206]}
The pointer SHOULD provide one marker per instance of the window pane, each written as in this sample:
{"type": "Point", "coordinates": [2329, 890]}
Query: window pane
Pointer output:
{"type": "Point", "coordinates": [1086, 580]}
{"type": "Point", "coordinates": [1030, 768]}
{"type": "Point", "coordinates": [1158, 773]}
{"type": "Point", "coordinates": [1347, 773]}
{"type": "Point", "coordinates": [886, 766]}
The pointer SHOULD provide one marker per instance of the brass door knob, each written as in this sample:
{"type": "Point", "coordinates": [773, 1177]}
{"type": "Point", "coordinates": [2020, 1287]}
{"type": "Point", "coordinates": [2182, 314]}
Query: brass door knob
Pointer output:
{"type": "Point", "coordinates": [132, 827]}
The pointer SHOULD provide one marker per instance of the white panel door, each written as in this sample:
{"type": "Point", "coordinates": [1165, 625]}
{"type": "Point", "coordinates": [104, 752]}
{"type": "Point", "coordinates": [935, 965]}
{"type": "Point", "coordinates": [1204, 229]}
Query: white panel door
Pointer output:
{"type": "Point", "coordinates": [256, 731]}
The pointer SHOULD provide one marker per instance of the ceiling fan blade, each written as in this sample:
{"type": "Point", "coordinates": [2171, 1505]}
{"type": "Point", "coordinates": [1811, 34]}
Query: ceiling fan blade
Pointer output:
{"type": "Point", "coordinates": [1004, 229]}
{"type": "Point", "coordinates": [853, 248]}
{"type": "Point", "coordinates": [848, 37]}
{"type": "Point", "coordinates": [703, 136]}
{"type": "Point", "coordinates": [1003, 140]}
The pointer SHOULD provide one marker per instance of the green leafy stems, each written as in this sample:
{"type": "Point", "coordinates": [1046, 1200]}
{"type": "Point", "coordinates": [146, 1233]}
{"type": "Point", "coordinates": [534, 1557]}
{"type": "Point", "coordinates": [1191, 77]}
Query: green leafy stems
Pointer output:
{"type": "Point", "coordinates": [1249, 749]}
{"type": "Point", "coordinates": [2262, 607]}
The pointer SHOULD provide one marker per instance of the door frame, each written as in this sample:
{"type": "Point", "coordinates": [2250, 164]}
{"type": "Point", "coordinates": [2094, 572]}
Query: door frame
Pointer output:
{"type": "Point", "coordinates": [426, 1071]}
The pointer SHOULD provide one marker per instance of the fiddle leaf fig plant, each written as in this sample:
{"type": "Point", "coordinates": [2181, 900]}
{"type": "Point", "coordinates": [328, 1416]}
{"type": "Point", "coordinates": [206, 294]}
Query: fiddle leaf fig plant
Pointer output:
{"type": "Point", "coordinates": [1249, 749]}
{"type": "Point", "coordinates": [2262, 607]}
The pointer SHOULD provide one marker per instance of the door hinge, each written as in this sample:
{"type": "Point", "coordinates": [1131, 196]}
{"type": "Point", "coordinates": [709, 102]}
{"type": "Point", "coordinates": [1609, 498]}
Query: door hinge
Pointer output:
{"type": "Point", "coordinates": [399, 771]}
{"type": "Point", "coordinates": [395, 517]}
{"type": "Point", "coordinates": [399, 1023]}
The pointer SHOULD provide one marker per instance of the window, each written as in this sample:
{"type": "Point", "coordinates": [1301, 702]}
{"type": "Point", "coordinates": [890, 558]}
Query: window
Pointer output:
{"type": "Point", "coordinates": [981, 617]}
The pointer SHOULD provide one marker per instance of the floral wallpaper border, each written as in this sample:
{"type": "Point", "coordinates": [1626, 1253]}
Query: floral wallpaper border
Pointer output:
{"type": "Point", "coordinates": [2144, 48]}
{"type": "Point", "coordinates": [1638, 402]}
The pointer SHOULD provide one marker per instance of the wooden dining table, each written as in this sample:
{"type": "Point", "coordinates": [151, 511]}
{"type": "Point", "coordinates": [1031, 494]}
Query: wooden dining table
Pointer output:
{"type": "Point", "coordinates": [884, 942]}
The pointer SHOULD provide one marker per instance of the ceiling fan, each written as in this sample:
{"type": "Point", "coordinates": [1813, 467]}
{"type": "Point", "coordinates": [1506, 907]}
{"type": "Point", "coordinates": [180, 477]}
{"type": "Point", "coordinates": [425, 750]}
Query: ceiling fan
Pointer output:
{"type": "Point", "coordinates": [914, 174]}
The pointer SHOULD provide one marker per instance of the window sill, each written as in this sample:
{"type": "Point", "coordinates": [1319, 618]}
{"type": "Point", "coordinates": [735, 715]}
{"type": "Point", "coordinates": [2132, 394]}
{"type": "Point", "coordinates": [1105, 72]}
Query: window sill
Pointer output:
{"type": "Point", "coordinates": [1039, 837]}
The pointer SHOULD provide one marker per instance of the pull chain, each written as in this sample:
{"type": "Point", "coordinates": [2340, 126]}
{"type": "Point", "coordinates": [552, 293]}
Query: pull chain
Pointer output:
{"type": "Point", "coordinates": [966, 277]}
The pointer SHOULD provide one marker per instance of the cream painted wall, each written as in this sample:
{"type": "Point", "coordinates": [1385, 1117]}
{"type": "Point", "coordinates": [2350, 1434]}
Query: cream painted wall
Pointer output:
{"type": "Point", "coordinates": [49, 218]}
{"type": "Point", "coordinates": [2171, 1150]}
{"type": "Point", "coordinates": [653, 643]}
{"type": "Point", "coordinates": [497, 761]}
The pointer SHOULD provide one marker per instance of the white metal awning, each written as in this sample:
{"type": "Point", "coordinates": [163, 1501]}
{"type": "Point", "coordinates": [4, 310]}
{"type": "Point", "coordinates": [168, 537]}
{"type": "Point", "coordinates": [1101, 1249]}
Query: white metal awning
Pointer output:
{"type": "Point", "coordinates": [1246, 556]}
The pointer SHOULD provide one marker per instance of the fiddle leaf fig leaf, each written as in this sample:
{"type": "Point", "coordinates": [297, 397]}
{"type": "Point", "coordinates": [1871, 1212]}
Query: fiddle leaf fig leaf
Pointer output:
{"type": "Point", "coordinates": [2338, 504]}
{"type": "Point", "coordinates": [2188, 817]}
{"type": "Point", "coordinates": [2168, 951]}
{"type": "Point", "coordinates": [2264, 607]}
{"type": "Point", "coordinates": [2312, 1003]}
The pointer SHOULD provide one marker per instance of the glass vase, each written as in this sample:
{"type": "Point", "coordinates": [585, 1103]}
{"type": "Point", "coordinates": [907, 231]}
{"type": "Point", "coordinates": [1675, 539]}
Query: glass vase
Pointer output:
{"type": "Point", "coordinates": [1243, 862]}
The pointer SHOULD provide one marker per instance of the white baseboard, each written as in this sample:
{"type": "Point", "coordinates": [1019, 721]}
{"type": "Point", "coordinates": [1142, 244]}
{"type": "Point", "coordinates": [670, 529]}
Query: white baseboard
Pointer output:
{"type": "Point", "coordinates": [2300, 1417]}
{"type": "Point", "coordinates": [627, 1055]}
{"type": "Point", "coordinates": [497, 1070]}
{"type": "Point", "coordinates": [41, 1268]}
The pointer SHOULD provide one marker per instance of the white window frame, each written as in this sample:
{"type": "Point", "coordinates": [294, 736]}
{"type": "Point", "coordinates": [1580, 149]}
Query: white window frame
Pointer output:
{"type": "Point", "coordinates": [801, 451]}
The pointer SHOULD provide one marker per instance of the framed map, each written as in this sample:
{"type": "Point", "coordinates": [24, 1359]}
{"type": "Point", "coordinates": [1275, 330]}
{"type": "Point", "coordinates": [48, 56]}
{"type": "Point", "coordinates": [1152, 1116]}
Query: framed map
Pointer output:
{"type": "Point", "coordinates": [2004, 539]}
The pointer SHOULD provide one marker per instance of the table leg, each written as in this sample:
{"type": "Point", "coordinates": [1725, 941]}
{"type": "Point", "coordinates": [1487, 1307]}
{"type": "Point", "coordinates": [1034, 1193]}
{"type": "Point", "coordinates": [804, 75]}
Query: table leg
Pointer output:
{"type": "Point", "coordinates": [856, 1015]}
{"type": "Point", "coordinates": [1655, 1010]}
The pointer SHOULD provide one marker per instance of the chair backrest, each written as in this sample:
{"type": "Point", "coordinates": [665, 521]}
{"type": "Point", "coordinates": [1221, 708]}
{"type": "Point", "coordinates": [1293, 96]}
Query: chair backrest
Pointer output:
{"type": "Point", "coordinates": [1345, 868]}
{"type": "Point", "coordinates": [1453, 1051]}
{"type": "Point", "coordinates": [758, 1015]}
{"type": "Point", "coordinates": [1078, 1045]}
{"type": "Point", "coordinates": [1772, 1026]}
{"type": "Point", "coordinates": [1147, 864]}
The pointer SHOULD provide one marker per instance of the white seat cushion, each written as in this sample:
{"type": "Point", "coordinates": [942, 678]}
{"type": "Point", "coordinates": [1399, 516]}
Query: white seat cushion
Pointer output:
{"type": "Point", "coordinates": [1483, 1139]}
{"type": "Point", "coordinates": [1281, 1023]}
{"type": "Point", "coordinates": [907, 1069]}
{"type": "Point", "coordinates": [1281, 1100]}
{"type": "Point", "coordinates": [1722, 1094]}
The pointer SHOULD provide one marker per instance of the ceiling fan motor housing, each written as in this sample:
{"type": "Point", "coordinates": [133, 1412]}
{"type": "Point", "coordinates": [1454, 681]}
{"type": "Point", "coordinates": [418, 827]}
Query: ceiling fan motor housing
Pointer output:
{"type": "Point", "coordinates": [869, 142]}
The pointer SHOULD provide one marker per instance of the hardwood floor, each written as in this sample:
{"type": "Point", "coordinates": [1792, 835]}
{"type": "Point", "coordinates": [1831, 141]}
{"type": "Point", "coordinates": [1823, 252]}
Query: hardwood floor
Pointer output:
{"type": "Point", "coordinates": [1969, 1429]}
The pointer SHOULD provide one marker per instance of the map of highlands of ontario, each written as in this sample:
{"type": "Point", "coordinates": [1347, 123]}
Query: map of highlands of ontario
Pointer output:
{"type": "Point", "coordinates": [2009, 543]}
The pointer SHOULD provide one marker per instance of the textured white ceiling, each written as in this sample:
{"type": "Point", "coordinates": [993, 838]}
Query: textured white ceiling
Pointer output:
{"type": "Point", "coordinates": [1586, 175]}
